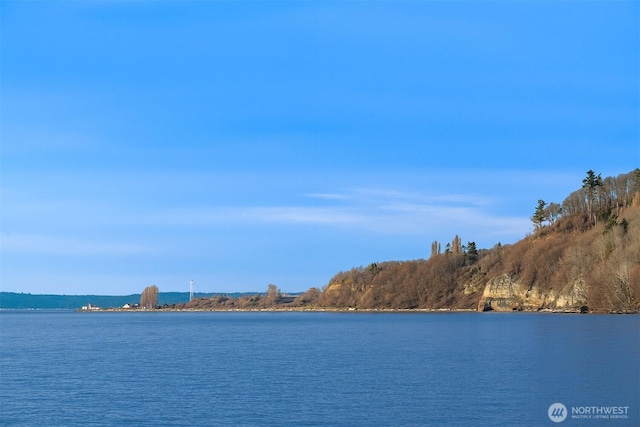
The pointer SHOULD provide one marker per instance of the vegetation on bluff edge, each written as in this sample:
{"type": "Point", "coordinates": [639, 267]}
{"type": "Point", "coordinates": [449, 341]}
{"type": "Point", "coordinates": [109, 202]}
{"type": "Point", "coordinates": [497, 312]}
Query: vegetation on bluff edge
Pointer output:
{"type": "Point", "coordinates": [588, 247]}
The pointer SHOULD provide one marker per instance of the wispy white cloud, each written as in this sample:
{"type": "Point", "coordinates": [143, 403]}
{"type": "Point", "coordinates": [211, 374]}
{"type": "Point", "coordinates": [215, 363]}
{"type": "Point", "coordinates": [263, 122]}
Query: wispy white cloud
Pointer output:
{"type": "Point", "coordinates": [37, 243]}
{"type": "Point", "coordinates": [379, 211]}
{"type": "Point", "coordinates": [403, 206]}
{"type": "Point", "coordinates": [328, 196]}
{"type": "Point", "coordinates": [214, 216]}
{"type": "Point", "coordinates": [422, 219]}
{"type": "Point", "coordinates": [376, 195]}
{"type": "Point", "coordinates": [304, 215]}
{"type": "Point", "coordinates": [28, 141]}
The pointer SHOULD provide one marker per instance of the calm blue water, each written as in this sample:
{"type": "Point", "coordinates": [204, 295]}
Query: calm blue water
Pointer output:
{"type": "Point", "coordinates": [275, 369]}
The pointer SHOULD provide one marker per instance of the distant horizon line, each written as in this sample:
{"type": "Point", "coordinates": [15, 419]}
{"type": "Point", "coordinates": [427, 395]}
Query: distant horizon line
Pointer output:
{"type": "Point", "coordinates": [139, 293]}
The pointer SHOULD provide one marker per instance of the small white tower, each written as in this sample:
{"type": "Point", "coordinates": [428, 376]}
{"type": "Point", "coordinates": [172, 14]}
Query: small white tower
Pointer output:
{"type": "Point", "coordinates": [191, 290]}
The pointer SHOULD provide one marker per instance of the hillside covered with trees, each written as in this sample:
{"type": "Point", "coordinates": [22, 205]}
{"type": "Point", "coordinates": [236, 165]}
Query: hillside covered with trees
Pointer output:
{"type": "Point", "coordinates": [22, 301]}
{"type": "Point", "coordinates": [584, 255]}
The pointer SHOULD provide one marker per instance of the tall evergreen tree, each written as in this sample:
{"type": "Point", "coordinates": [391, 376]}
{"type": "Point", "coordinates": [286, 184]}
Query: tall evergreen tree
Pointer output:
{"type": "Point", "coordinates": [591, 183]}
{"type": "Point", "coordinates": [472, 252]}
{"type": "Point", "coordinates": [539, 216]}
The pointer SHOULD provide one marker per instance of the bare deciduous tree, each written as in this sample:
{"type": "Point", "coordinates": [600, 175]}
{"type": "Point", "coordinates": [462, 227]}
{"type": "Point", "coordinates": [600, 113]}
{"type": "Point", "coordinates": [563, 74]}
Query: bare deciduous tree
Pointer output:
{"type": "Point", "coordinates": [272, 296]}
{"type": "Point", "coordinates": [149, 297]}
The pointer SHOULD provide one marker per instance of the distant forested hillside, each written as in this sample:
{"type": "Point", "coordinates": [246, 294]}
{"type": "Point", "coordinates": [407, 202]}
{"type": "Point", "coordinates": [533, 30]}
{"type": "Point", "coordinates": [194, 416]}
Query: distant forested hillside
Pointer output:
{"type": "Point", "coordinates": [12, 300]}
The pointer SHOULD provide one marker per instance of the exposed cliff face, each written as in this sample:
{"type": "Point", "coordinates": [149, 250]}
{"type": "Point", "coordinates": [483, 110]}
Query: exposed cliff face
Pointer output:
{"type": "Point", "coordinates": [563, 266]}
{"type": "Point", "coordinates": [504, 294]}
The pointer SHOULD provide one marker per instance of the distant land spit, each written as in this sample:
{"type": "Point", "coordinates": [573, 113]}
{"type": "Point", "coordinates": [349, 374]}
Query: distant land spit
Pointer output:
{"type": "Point", "coordinates": [16, 301]}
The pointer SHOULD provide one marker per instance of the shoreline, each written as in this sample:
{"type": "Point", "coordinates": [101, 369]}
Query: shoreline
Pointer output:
{"type": "Point", "coordinates": [340, 310]}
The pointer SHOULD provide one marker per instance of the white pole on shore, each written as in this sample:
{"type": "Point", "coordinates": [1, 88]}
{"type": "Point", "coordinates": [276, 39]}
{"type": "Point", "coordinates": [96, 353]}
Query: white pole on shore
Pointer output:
{"type": "Point", "coordinates": [191, 290]}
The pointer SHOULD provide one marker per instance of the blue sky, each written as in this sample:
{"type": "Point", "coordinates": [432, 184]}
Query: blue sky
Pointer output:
{"type": "Point", "coordinates": [243, 143]}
